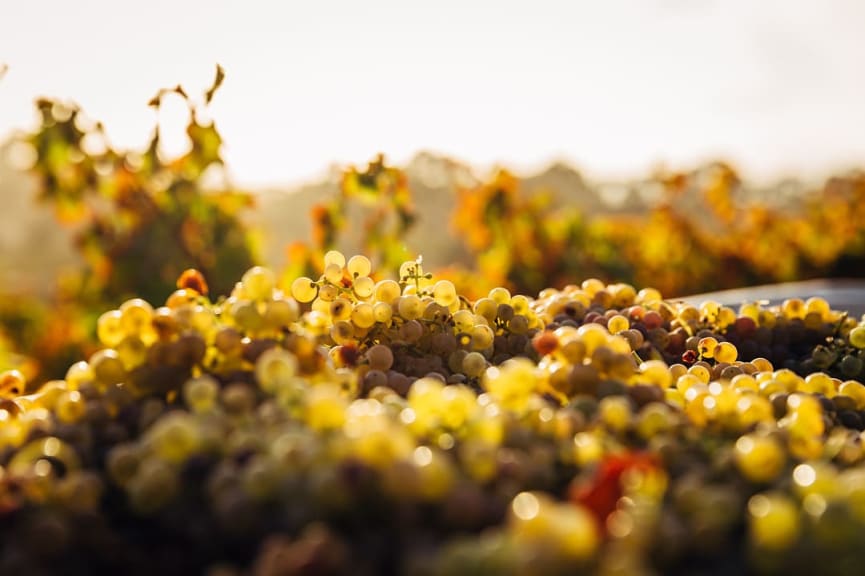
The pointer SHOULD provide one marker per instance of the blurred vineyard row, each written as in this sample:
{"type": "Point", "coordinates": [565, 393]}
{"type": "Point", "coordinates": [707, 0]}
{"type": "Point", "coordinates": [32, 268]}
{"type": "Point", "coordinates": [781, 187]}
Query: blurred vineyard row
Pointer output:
{"type": "Point", "coordinates": [139, 220]}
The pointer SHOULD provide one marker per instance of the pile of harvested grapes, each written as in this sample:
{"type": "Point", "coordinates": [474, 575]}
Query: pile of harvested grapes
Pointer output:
{"type": "Point", "coordinates": [348, 426]}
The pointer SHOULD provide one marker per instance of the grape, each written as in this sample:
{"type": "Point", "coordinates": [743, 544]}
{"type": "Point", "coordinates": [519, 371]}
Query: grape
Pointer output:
{"type": "Point", "coordinates": [793, 308]}
{"type": "Point", "coordinates": [258, 283]}
{"type": "Point", "coordinates": [275, 369]}
{"type": "Point", "coordinates": [333, 273]}
{"type": "Point", "coordinates": [107, 367]}
{"type": "Point", "coordinates": [135, 316]}
{"type": "Point", "coordinates": [70, 407]}
{"type": "Point", "coordinates": [358, 266]}
{"type": "Point", "coordinates": [334, 257]}
{"type": "Point", "coordinates": [281, 313]}
{"type": "Point", "coordinates": [109, 328]}
{"type": "Point", "coordinates": [201, 393]}
{"type": "Point", "coordinates": [410, 307]}
{"type": "Point", "coordinates": [482, 336]}
{"type": "Point", "coordinates": [617, 324]}
{"type": "Point", "coordinates": [706, 347]}
{"type": "Point", "coordinates": [363, 315]}
{"type": "Point", "coordinates": [474, 364]}
{"type": "Point", "coordinates": [725, 352]}
{"type": "Point", "coordinates": [380, 357]}
{"type": "Point", "coordinates": [363, 287]}
{"type": "Point", "coordinates": [383, 312]}
{"type": "Point", "coordinates": [500, 295]}
{"type": "Point", "coordinates": [773, 521]}
{"type": "Point", "coordinates": [759, 458]}
{"type": "Point", "coordinates": [328, 293]}
{"type": "Point", "coordinates": [304, 290]}
{"type": "Point", "coordinates": [857, 337]}
{"type": "Point", "coordinates": [387, 291]}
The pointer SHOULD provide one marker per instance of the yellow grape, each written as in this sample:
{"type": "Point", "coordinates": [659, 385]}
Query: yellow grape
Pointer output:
{"type": "Point", "coordinates": [334, 257]}
{"type": "Point", "coordinates": [304, 290]}
{"type": "Point", "coordinates": [258, 283]}
{"type": "Point", "coordinates": [109, 328]}
{"type": "Point", "coordinates": [358, 266]}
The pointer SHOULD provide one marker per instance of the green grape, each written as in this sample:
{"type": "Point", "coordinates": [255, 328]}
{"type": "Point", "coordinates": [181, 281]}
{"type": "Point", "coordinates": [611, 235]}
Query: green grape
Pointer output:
{"type": "Point", "coordinates": [382, 312]}
{"type": "Point", "coordinates": [275, 369]}
{"type": "Point", "coordinates": [281, 313]}
{"type": "Point", "coordinates": [773, 521]}
{"type": "Point", "coordinates": [463, 321]}
{"type": "Point", "coordinates": [70, 407]}
{"type": "Point", "coordinates": [334, 257]}
{"type": "Point", "coordinates": [474, 364]}
{"type": "Point", "coordinates": [247, 316]}
{"type": "Point", "coordinates": [107, 367]}
{"type": "Point", "coordinates": [363, 287]}
{"type": "Point", "coordinates": [359, 266]}
{"type": "Point", "coordinates": [387, 291]}
{"type": "Point", "coordinates": [325, 407]}
{"type": "Point", "coordinates": [759, 458]}
{"type": "Point", "coordinates": [482, 336]}
{"type": "Point", "coordinates": [500, 295]}
{"type": "Point", "coordinates": [520, 304]}
{"type": "Point", "coordinates": [174, 437]}
{"type": "Point", "coordinates": [701, 372]}
{"type": "Point", "coordinates": [132, 352]}
{"type": "Point", "coordinates": [410, 307]}
{"type": "Point", "coordinates": [136, 316]}
{"type": "Point", "coordinates": [333, 274]}
{"type": "Point", "coordinates": [258, 283]}
{"type": "Point", "coordinates": [201, 394]}
{"type": "Point", "coordinates": [850, 365]}
{"type": "Point", "coordinates": [615, 412]}
{"type": "Point", "coordinates": [78, 374]}
{"type": "Point", "coordinates": [857, 337]}
{"type": "Point", "coordinates": [486, 307]}
{"type": "Point", "coordinates": [363, 315]}
{"type": "Point", "coordinates": [444, 292]}
{"type": "Point", "coordinates": [109, 328]}
{"type": "Point", "coordinates": [304, 290]}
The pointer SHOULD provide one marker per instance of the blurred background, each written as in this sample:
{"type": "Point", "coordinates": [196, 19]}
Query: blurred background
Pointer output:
{"type": "Point", "coordinates": [691, 145]}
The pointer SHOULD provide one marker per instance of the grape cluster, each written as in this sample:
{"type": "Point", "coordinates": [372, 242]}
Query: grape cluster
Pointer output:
{"type": "Point", "coordinates": [349, 424]}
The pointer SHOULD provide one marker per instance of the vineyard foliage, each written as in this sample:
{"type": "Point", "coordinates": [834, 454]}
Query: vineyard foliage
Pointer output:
{"type": "Point", "coordinates": [141, 219]}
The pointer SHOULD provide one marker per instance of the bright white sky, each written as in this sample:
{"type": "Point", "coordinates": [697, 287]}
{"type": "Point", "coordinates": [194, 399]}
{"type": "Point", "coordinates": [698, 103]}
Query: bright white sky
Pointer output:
{"type": "Point", "coordinates": [613, 86]}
